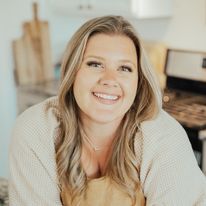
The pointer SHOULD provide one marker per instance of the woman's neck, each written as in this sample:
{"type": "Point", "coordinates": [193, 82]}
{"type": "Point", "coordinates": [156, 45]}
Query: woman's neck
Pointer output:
{"type": "Point", "coordinates": [100, 133]}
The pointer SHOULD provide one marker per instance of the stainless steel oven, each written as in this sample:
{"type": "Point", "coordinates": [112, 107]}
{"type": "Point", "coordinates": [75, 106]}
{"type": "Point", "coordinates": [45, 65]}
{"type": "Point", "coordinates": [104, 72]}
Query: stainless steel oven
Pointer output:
{"type": "Point", "coordinates": [185, 96]}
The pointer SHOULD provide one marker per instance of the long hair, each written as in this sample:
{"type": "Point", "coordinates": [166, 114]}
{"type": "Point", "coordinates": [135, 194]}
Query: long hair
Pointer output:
{"type": "Point", "coordinates": [122, 166]}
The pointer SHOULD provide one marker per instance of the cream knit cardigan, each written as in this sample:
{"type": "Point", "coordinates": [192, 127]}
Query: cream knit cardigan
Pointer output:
{"type": "Point", "coordinates": [169, 173]}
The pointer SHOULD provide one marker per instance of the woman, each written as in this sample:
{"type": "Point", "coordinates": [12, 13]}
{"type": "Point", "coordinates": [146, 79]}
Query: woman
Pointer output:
{"type": "Point", "coordinates": [104, 140]}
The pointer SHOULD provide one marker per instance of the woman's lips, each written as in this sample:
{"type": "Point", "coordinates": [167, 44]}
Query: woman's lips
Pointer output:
{"type": "Point", "coordinates": [106, 98]}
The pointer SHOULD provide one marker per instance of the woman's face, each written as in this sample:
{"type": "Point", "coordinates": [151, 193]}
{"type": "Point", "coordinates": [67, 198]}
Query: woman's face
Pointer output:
{"type": "Point", "coordinates": [106, 83]}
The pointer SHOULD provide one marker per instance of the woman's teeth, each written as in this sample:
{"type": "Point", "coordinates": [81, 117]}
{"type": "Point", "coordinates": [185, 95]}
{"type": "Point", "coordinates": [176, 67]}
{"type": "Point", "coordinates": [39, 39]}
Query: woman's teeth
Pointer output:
{"type": "Point", "coordinates": [106, 96]}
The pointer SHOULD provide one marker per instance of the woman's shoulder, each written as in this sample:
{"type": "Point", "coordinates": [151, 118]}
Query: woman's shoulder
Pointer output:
{"type": "Point", "coordinates": [39, 111]}
{"type": "Point", "coordinates": [37, 122]}
{"type": "Point", "coordinates": [32, 147]}
{"type": "Point", "coordinates": [162, 125]}
{"type": "Point", "coordinates": [160, 131]}
{"type": "Point", "coordinates": [42, 106]}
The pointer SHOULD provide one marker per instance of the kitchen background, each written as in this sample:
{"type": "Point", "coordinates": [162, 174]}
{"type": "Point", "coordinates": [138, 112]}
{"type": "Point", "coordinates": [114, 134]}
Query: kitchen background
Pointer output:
{"type": "Point", "coordinates": [162, 24]}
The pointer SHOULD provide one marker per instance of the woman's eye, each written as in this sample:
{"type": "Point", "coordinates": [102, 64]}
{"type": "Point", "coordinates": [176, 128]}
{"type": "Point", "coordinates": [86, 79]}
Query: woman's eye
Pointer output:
{"type": "Point", "coordinates": [126, 69]}
{"type": "Point", "coordinates": [94, 64]}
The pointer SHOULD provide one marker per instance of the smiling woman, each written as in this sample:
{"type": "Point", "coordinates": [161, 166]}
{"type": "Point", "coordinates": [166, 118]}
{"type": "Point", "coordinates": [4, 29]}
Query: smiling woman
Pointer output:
{"type": "Point", "coordinates": [106, 82]}
{"type": "Point", "coordinates": [104, 140]}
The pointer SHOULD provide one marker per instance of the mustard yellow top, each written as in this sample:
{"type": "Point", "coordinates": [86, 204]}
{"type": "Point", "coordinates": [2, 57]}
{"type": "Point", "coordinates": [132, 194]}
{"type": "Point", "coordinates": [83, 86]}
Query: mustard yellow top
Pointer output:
{"type": "Point", "coordinates": [102, 192]}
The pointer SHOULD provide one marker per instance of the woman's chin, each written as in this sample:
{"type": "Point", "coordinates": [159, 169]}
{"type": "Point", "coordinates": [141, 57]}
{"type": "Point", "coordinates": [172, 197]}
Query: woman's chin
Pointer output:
{"type": "Point", "coordinates": [106, 118]}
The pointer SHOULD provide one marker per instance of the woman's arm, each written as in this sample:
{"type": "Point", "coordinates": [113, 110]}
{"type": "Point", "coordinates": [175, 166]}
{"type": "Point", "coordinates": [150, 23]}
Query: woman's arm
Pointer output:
{"type": "Point", "coordinates": [169, 172]}
{"type": "Point", "coordinates": [32, 164]}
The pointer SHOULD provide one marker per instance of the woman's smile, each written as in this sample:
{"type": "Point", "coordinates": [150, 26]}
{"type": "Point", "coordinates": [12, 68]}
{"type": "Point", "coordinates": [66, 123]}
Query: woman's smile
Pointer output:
{"type": "Point", "coordinates": [106, 98]}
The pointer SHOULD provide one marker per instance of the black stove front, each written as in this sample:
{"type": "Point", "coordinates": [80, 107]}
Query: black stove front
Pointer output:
{"type": "Point", "coordinates": [185, 95]}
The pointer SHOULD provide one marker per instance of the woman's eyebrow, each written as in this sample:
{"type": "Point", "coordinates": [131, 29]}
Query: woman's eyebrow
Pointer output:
{"type": "Point", "coordinates": [102, 58]}
{"type": "Point", "coordinates": [128, 61]}
{"type": "Point", "coordinates": [94, 56]}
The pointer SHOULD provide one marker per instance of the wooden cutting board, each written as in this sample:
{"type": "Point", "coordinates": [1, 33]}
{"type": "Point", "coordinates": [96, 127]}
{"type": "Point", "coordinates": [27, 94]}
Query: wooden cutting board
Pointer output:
{"type": "Point", "coordinates": [22, 73]}
{"type": "Point", "coordinates": [34, 65]}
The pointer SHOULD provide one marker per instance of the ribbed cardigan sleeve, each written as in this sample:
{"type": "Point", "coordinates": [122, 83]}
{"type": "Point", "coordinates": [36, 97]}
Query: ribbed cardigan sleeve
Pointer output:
{"type": "Point", "coordinates": [169, 172]}
{"type": "Point", "coordinates": [33, 179]}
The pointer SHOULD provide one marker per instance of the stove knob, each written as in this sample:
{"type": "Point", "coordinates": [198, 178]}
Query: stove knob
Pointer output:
{"type": "Point", "coordinates": [166, 98]}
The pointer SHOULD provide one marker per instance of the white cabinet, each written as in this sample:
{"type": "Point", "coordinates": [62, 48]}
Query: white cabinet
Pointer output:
{"type": "Point", "coordinates": [127, 8]}
{"type": "Point", "coordinates": [152, 8]}
{"type": "Point", "coordinates": [90, 7]}
{"type": "Point", "coordinates": [121, 7]}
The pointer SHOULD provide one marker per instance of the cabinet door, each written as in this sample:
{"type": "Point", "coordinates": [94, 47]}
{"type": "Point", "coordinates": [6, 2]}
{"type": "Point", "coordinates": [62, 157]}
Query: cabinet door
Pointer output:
{"type": "Point", "coordinates": [91, 7]}
{"type": "Point", "coordinates": [152, 8]}
{"type": "Point", "coordinates": [116, 7]}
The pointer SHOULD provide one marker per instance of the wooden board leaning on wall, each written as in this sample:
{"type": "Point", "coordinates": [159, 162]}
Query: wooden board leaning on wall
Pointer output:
{"type": "Point", "coordinates": [32, 52]}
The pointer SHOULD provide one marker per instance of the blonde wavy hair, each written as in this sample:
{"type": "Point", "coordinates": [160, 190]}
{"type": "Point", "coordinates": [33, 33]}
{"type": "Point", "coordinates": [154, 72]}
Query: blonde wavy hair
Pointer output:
{"type": "Point", "coordinates": [122, 167]}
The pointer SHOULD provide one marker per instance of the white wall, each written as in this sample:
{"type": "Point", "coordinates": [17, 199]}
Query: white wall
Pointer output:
{"type": "Point", "coordinates": [12, 14]}
{"type": "Point", "coordinates": [188, 27]}
{"type": "Point", "coordinates": [185, 29]}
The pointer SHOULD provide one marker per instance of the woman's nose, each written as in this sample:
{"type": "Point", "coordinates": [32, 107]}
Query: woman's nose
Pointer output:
{"type": "Point", "coordinates": [109, 78]}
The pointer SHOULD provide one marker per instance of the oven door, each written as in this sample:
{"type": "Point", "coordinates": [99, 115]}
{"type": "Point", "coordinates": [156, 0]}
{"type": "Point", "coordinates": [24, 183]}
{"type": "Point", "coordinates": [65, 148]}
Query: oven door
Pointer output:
{"type": "Point", "coordinates": [196, 143]}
